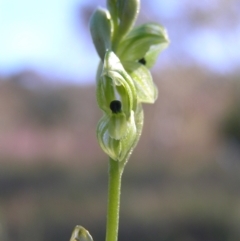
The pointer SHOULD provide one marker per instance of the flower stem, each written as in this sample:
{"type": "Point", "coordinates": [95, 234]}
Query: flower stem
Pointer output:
{"type": "Point", "coordinates": [114, 191]}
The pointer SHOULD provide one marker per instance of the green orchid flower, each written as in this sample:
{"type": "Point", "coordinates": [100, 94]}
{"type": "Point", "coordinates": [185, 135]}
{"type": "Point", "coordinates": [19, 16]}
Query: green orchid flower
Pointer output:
{"type": "Point", "coordinates": [137, 49]}
{"type": "Point", "coordinates": [114, 83]}
{"type": "Point", "coordinates": [123, 77]}
{"type": "Point", "coordinates": [116, 96]}
{"type": "Point", "coordinates": [118, 136]}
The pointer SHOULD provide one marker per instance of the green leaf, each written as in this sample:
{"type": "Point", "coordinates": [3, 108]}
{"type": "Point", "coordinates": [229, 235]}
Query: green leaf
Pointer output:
{"type": "Point", "coordinates": [101, 28]}
{"type": "Point", "coordinates": [145, 88]}
{"type": "Point", "coordinates": [80, 234]}
{"type": "Point", "coordinates": [144, 40]}
{"type": "Point", "coordinates": [124, 14]}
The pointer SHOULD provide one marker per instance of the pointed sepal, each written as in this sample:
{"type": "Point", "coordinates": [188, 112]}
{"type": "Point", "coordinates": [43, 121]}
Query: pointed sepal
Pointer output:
{"type": "Point", "coordinates": [127, 13]}
{"type": "Point", "coordinates": [101, 28]}
{"type": "Point", "coordinates": [124, 14]}
{"type": "Point", "coordinates": [138, 118]}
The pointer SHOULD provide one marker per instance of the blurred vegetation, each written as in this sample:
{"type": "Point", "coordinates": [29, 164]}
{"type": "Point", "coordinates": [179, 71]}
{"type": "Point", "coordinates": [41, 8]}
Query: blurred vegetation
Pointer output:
{"type": "Point", "coordinates": [181, 182]}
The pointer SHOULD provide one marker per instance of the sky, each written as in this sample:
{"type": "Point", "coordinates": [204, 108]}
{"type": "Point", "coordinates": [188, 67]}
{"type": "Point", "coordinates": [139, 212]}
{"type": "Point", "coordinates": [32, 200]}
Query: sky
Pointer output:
{"type": "Point", "coordinates": [45, 36]}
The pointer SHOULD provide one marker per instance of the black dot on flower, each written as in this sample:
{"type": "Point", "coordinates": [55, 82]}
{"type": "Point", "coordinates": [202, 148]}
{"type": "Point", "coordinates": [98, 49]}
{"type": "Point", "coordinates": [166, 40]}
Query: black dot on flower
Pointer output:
{"type": "Point", "coordinates": [116, 106]}
{"type": "Point", "coordinates": [142, 61]}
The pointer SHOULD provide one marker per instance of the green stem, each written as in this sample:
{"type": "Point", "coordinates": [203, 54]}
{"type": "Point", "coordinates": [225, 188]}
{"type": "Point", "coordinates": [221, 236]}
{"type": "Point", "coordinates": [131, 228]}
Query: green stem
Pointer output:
{"type": "Point", "coordinates": [114, 191]}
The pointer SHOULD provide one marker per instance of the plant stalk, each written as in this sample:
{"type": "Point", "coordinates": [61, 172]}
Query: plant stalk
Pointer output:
{"type": "Point", "coordinates": [114, 192]}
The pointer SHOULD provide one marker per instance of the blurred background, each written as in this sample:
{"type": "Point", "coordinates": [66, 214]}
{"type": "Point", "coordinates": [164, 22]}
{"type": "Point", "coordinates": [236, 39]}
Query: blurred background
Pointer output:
{"type": "Point", "coordinates": [182, 182]}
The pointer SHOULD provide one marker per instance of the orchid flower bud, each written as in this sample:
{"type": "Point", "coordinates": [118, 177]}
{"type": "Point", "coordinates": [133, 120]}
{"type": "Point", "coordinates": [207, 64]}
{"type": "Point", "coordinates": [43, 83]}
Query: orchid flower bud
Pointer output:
{"type": "Point", "coordinates": [124, 14]}
{"type": "Point", "coordinates": [80, 234]}
{"type": "Point", "coordinates": [101, 28]}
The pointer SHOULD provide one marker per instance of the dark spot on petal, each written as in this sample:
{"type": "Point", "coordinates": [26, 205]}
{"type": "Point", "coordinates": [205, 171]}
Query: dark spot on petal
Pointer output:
{"type": "Point", "coordinates": [142, 61]}
{"type": "Point", "coordinates": [116, 106]}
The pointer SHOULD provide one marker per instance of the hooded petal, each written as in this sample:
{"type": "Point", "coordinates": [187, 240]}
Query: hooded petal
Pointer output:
{"type": "Point", "coordinates": [115, 83]}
